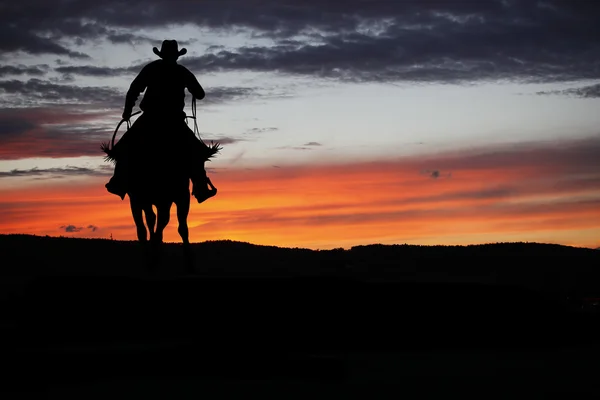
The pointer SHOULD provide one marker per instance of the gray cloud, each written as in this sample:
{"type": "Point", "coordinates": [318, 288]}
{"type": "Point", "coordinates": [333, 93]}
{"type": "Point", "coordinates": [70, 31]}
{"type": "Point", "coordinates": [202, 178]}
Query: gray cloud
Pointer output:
{"type": "Point", "coordinates": [354, 40]}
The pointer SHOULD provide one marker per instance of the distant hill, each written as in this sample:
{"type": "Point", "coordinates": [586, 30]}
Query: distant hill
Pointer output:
{"type": "Point", "coordinates": [545, 266]}
{"type": "Point", "coordinates": [86, 310]}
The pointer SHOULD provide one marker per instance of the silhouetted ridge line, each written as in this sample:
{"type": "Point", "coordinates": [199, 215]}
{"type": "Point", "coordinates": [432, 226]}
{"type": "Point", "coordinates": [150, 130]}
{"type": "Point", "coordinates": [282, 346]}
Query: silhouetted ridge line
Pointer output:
{"type": "Point", "coordinates": [540, 266]}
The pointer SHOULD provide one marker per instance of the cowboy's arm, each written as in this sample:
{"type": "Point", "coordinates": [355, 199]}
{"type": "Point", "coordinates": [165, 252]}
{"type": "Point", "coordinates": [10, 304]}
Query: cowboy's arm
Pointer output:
{"type": "Point", "coordinates": [138, 85]}
{"type": "Point", "coordinates": [194, 86]}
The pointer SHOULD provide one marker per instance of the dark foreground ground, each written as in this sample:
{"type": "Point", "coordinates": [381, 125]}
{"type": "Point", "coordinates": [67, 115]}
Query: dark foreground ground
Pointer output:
{"type": "Point", "coordinates": [81, 318]}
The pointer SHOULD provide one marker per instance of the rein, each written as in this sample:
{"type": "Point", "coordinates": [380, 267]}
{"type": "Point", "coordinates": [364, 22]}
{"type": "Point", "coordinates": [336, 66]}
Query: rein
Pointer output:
{"type": "Point", "coordinates": [112, 142]}
{"type": "Point", "coordinates": [196, 130]}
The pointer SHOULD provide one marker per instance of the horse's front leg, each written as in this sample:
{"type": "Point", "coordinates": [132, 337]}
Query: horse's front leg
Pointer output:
{"type": "Point", "coordinates": [138, 218]}
{"type": "Point", "coordinates": [162, 220]}
{"type": "Point", "coordinates": [150, 221]}
{"type": "Point", "coordinates": [183, 210]}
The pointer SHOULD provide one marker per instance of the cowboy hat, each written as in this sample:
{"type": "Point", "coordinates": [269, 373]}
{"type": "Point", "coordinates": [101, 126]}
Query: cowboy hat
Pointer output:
{"type": "Point", "coordinates": [169, 49]}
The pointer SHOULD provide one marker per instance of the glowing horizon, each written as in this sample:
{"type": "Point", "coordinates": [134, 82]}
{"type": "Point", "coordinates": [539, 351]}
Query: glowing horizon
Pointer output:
{"type": "Point", "coordinates": [552, 195]}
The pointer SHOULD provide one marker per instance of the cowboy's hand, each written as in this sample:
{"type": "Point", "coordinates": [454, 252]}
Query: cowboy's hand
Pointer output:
{"type": "Point", "coordinates": [126, 114]}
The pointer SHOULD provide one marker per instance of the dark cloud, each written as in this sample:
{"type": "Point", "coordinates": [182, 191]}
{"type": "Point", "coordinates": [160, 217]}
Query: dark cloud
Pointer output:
{"type": "Point", "coordinates": [354, 40]}
{"type": "Point", "coordinates": [18, 39]}
{"type": "Point", "coordinates": [46, 119]}
{"type": "Point", "coordinates": [102, 96]}
{"type": "Point", "coordinates": [221, 139]}
{"type": "Point", "coordinates": [69, 170]}
{"type": "Point", "coordinates": [407, 56]}
{"type": "Point", "coordinates": [222, 94]}
{"type": "Point", "coordinates": [71, 228]}
{"type": "Point", "coordinates": [261, 130]}
{"type": "Point", "coordinates": [130, 38]}
{"type": "Point", "coordinates": [436, 173]}
{"type": "Point", "coordinates": [92, 70]}
{"type": "Point", "coordinates": [294, 148]}
{"type": "Point", "coordinates": [76, 229]}
{"type": "Point", "coordinates": [11, 127]}
{"type": "Point", "coordinates": [36, 91]}
{"type": "Point", "coordinates": [34, 70]}
{"type": "Point", "coordinates": [306, 146]}
{"type": "Point", "coordinates": [591, 91]}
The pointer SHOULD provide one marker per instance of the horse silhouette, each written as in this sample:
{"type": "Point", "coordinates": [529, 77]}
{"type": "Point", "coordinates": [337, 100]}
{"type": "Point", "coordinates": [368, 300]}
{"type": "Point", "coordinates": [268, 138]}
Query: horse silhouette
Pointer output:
{"type": "Point", "coordinates": [158, 175]}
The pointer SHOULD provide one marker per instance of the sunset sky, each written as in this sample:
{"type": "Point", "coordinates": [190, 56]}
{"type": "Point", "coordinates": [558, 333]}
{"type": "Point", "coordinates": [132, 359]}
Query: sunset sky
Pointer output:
{"type": "Point", "coordinates": [342, 122]}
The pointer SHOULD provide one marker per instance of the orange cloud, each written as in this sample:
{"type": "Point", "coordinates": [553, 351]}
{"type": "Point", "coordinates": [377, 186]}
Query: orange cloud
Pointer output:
{"type": "Point", "coordinates": [547, 193]}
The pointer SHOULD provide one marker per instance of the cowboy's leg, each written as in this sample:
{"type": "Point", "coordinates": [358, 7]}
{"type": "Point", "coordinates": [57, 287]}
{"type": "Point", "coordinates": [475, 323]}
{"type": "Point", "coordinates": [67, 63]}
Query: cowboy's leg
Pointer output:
{"type": "Point", "coordinates": [194, 154]}
{"type": "Point", "coordinates": [123, 150]}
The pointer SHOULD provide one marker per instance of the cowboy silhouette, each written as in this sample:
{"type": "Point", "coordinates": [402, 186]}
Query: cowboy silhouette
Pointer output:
{"type": "Point", "coordinates": [164, 82]}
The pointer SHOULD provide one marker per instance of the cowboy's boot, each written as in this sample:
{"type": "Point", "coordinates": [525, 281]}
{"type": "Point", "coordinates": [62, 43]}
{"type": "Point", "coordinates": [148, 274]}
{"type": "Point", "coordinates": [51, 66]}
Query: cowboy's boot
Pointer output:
{"type": "Point", "coordinates": [201, 190]}
{"type": "Point", "coordinates": [115, 188]}
{"type": "Point", "coordinates": [116, 184]}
